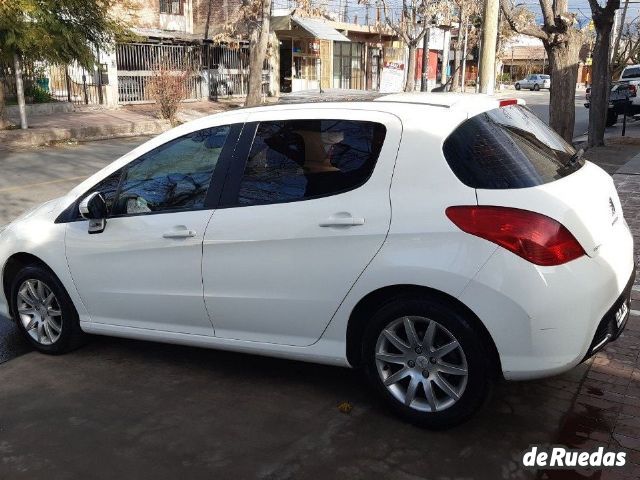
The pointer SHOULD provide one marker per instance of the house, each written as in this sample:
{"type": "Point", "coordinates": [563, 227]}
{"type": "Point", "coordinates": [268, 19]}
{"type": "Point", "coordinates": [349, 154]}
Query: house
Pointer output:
{"type": "Point", "coordinates": [319, 52]}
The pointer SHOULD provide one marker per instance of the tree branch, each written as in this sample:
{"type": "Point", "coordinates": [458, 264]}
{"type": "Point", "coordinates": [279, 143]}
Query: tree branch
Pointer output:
{"type": "Point", "coordinates": [530, 30]}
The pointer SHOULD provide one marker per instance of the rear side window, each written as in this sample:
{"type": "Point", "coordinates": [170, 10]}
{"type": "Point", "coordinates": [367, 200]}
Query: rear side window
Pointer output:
{"type": "Point", "coordinates": [633, 72]}
{"type": "Point", "coordinates": [295, 160]}
{"type": "Point", "coordinates": [508, 147]}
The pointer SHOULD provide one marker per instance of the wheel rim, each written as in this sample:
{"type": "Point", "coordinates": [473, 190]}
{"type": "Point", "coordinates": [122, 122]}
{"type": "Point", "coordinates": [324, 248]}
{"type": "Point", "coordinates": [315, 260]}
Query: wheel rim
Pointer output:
{"type": "Point", "coordinates": [421, 364]}
{"type": "Point", "coordinates": [39, 311]}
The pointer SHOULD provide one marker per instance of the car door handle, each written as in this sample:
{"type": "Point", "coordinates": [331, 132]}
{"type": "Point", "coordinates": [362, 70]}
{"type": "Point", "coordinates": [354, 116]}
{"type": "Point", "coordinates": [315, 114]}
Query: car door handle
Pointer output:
{"type": "Point", "coordinates": [179, 233]}
{"type": "Point", "coordinates": [342, 220]}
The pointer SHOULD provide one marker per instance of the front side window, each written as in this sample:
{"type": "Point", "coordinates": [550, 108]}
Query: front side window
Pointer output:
{"type": "Point", "coordinates": [174, 176]}
{"type": "Point", "coordinates": [294, 160]}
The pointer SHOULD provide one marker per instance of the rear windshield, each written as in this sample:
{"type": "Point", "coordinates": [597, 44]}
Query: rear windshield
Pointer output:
{"type": "Point", "coordinates": [508, 147]}
{"type": "Point", "coordinates": [633, 72]}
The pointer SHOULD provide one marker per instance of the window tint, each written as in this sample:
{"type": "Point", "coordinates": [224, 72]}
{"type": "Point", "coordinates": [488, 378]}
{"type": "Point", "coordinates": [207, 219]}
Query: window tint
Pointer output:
{"type": "Point", "coordinates": [632, 72]}
{"type": "Point", "coordinates": [508, 147]}
{"type": "Point", "coordinates": [300, 159]}
{"type": "Point", "coordinates": [175, 176]}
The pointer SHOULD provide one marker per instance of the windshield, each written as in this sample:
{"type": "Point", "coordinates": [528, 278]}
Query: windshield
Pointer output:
{"type": "Point", "coordinates": [508, 147]}
{"type": "Point", "coordinates": [633, 72]}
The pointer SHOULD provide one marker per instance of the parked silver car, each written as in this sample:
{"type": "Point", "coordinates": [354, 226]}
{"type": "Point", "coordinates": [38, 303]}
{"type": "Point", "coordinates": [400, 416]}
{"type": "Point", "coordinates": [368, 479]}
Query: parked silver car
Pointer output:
{"type": "Point", "coordinates": [534, 82]}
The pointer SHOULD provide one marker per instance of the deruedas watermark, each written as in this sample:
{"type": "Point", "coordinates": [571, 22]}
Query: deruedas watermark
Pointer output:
{"type": "Point", "coordinates": [558, 457]}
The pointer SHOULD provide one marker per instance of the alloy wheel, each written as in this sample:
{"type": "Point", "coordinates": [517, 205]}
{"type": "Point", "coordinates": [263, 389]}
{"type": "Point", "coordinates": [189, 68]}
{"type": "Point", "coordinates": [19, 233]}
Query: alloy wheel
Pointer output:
{"type": "Point", "coordinates": [421, 364]}
{"type": "Point", "coordinates": [39, 311]}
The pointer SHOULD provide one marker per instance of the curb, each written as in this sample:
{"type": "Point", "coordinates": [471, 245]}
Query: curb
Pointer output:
{"type": "Point", "coordinates": [44, 136]}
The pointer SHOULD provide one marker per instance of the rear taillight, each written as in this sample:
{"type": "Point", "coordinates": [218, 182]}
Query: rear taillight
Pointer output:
{"type": "Point", "coordinates": [632, 90]}
{"type": "Point", "coordinates": [533, 236]}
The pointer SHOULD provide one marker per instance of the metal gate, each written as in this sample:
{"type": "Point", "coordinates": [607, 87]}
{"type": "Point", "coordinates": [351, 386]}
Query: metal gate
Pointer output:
{"type": "Point", "coordinates": [44, 82]}
{"type": "Point", "coordinates": [137, 62]}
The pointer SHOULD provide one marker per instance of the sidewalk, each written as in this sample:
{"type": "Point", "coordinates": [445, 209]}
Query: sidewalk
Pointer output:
{"type": "Point", "coordinates": [605, 410]}
{"type": "Point", "coordinates": [95, 124]}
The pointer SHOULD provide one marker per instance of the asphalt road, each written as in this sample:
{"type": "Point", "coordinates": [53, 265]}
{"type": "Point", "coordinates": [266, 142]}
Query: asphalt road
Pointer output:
{"type": "Point", "coordinates": [538, 102]}
{"type": "Point", "coordinates": [126, 409]}
{"type": "Point", "coordinates": [33, 176]}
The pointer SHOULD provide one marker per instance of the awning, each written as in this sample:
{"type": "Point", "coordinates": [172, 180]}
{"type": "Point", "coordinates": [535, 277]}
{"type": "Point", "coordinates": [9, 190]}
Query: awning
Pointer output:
{"type": "Point", "coordinates": [319, 29]}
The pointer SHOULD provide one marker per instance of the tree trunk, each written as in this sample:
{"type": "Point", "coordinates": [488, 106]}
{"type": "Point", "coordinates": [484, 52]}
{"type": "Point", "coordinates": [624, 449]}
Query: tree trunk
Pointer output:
{"type": "Point", "coordinates": [208, 21]}
{"type": "Point", "coordinates": [410, 85]}
{"type": "Point", "coordinates": [4, 123]}
{"type": "Point", "coordinates": [563, 60]}
{"type": "Point", "coordinates": [600, 83]}
{"type": "Point", "coordinates": [457, 61]}
{"type": "Point", "coordinates": [20, 92]}
{"type": "Point", "coordinates": [258, 42]}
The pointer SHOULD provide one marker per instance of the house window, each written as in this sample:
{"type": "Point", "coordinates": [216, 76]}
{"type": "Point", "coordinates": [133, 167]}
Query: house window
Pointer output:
{"type": "Point", "coordinates": [172, 7]}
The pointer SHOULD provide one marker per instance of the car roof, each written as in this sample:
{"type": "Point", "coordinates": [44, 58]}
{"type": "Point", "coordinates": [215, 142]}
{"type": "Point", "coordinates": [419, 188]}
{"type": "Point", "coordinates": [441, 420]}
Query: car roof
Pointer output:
{"type": "Point", "coordinates": [401, 104]}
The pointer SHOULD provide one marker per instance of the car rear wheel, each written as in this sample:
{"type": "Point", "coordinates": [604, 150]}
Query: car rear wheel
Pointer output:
{"type": "Point", "coordinates": [44, 312]}
{"type": "Point", "coordinates": [536, 87]}
{"type": "Point", "coordinates": [426, 362]}
{"type": "Point", "coordinates": [517, 86]}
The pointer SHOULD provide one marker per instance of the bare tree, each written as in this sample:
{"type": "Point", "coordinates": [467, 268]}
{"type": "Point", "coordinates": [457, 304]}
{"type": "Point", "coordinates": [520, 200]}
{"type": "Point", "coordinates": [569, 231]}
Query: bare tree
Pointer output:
{"type": "Point", "coordinates": [207, 23]}
{"type": "Point", "coordinates": [465, 10]}
{"type": "Point", "coordinates": [629, 47]}
{"type": "Point", "coordinates": [252, 20]}
{"type": "Point", "coordinates": [410, 27]}
{"type": "Point", "coordinates": [601, 69]}
{"type": "Point", "coordinates": [562, 41]}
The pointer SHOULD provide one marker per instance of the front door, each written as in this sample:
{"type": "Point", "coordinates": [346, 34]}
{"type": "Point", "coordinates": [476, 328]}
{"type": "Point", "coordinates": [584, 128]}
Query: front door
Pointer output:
{"type": "Point", "coordinates": [303, 212]}
{"type": "Point", "coordinates": [143, 270]}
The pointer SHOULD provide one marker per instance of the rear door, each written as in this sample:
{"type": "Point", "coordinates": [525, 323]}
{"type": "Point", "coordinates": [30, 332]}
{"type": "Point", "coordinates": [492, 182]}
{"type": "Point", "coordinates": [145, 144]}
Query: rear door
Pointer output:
{"type": "Point", "coordinates": [304, 210]}
{"type": "Point", "coordinates": [514, 159]}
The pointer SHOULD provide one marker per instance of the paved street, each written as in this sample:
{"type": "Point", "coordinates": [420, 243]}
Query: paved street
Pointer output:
{"type": "Point", "coordinates": [538, 102]}
{"type": "Point", "coordinates": [127, 409]}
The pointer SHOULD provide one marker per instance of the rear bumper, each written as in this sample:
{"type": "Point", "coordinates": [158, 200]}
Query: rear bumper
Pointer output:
{"type": "Point", "coordinates": [546, 320]}
{"type": "Point", "coordinates": [614, 321]}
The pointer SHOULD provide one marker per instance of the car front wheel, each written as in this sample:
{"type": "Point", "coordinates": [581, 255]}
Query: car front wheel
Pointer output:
{"type": "Point", "coordinates": [426, 361]}
{"type": "Point", "coordinates": [517, 86]}
{"type": "Point", "coordinates": [44, 312]}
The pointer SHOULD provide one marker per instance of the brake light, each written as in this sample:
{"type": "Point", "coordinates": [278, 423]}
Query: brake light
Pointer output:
{"type": "Point", "coordinates": [510, 101]}
{"type": "Point", "coordinates": [533, 236]}
{"type": "Point", "coordinates": [632, 90]}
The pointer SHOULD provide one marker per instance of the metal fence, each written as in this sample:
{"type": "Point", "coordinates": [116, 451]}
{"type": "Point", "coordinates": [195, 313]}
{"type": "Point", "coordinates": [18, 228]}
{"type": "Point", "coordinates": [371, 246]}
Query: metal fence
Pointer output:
{"type": "Point", "coordinates": [44, 82]}
{"type": "Point", "coordinates": [218, 70]}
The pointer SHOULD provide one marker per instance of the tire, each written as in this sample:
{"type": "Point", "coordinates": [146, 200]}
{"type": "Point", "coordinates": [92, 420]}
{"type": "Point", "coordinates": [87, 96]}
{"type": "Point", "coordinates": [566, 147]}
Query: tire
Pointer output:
{"type": "Point", "coordinates": [612, 117]}
{"type": "Point", "coordinates": [56, 327]}
{"type": "Point", "coordinates": [517, 86]}
{"type": "Point", "coordinates": [536, 87]}
{"type": "Point", "coordinates": [470, 355]}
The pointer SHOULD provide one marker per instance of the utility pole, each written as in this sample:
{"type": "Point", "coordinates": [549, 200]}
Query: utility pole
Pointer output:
{"type": "Point", "coordinates": [620, 30]}
{"type": "Point", "coordinates": [446, 45]}
{"type": "Point", "coordinates": [489, 43]}
{"type": "Point", "coordinates": [464, 56]}
{"type": "Point", "coordinates": [424, 84]}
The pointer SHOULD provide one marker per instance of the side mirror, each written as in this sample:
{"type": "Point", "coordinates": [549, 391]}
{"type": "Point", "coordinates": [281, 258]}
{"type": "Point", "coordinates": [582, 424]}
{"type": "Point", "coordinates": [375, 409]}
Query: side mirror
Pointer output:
{"type": "Point", "coordinates": [94, 209]}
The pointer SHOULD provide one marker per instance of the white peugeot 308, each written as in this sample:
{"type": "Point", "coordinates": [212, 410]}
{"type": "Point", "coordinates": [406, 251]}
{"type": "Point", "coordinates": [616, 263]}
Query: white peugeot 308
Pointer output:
{"type": "Point", "coordinates": [436, 240]}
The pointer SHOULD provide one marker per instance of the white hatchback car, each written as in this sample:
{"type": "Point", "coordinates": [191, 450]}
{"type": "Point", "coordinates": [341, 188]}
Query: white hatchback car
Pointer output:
{"type": "Point", "coordinates": [437, 240]}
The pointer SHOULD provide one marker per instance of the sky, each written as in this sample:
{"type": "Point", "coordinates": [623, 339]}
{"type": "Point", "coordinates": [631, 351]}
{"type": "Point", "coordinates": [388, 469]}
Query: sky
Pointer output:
{"type": "Point", "coordinates": [579, 7]}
